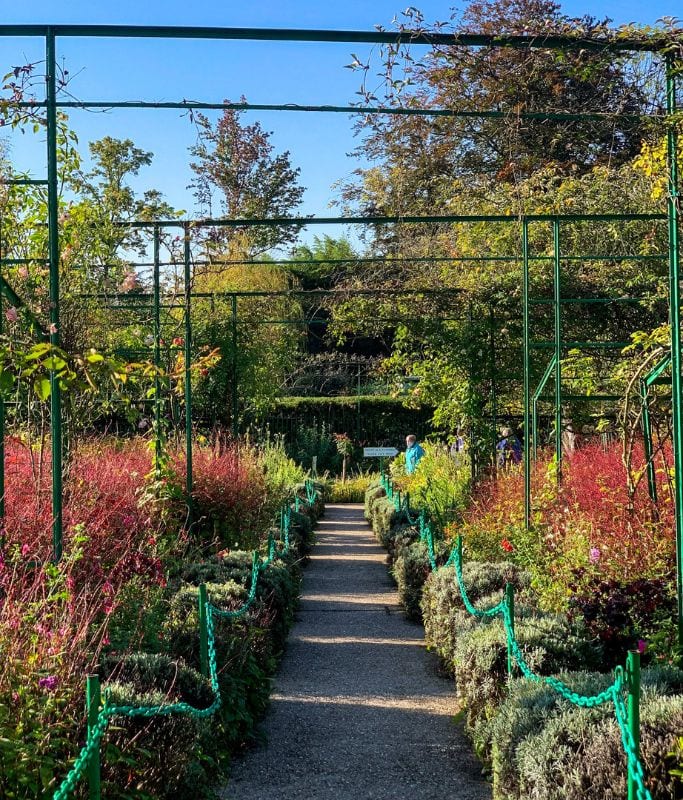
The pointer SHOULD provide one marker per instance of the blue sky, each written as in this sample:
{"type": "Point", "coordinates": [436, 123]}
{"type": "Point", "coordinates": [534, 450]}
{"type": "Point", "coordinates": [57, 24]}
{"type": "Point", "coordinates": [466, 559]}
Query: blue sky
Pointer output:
{"type": "Point", "coordinates": [212, 71]}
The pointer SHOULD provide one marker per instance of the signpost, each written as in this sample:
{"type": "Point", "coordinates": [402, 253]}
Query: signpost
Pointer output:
{"type": "Point", "coordinates": [381, 453]}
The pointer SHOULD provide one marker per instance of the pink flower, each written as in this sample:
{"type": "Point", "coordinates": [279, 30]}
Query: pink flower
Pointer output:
{"type": "Point", "coordinates": [25, 550]}
{"type": "Point", "coordinates": [49, 683]}
{"type": "Point", "coordinates": [12, 314]}
{"type": "Point", "coordinates": [23, 272]}
{"type": "Point", "coordinates": [641, 647]}
{"type": "Point", "coordinates": [594, 555]}
{"type": "Point", "coordinates": [52, 328]}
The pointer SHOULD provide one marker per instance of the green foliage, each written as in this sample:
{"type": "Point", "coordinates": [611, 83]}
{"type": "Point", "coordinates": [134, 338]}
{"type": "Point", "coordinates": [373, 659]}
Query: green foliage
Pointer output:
{"type": "Point", "coordinates": [411, 568]}
{"type": "Point", "coordinates": [382, 419]}
{"type": "Point", "coordinates": [352, 490]}
{"type": "Point", "coordinates": [281, 471]}
{"type": "Point", "coordinates": [550, 644]}
{"type": "Point", "coordinates": [157, 758]}
{"type": "Point", "coordinates": [29, 759]}
{"type": "Point", "coordinates": [314, 441]}
{"type": "Point", "coordinates": [373, 492]}
{"type": "Point", "coordinates": [440, 485]}
{"type": "Point", "coordinates": [443, 612]}
{"type": "Point", "coordinates": [537, 739]}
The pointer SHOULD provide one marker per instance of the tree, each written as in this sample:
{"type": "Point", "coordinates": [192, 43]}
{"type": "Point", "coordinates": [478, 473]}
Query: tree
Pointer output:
{"type": "Point", "coordinates": [108, 203]}
{"type": "Point", "coordinates": [252, 182]}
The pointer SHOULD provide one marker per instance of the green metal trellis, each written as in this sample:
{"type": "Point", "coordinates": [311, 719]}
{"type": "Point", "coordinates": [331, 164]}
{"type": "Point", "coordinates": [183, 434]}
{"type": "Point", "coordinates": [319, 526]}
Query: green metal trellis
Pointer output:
{"type": "Point", "coordinates": [655, 44]}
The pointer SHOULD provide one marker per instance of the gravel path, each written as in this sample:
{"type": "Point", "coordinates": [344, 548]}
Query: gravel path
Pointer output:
{"type": "Point", "coordinates": [358, 708]}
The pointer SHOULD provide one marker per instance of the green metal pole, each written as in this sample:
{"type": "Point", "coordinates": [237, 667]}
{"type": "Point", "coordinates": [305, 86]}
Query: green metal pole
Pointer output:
{"type": "Point", "coordinates": [675, 320]}
{"type": "Point", "coordinates": [2, 437]}
{"type": "Point", "coordinates": [510, 600]}
{"type": "Point", "coordinates": [558, 347]}
{"type": "Point", "coordinates": [187, 285]}
{"type": "Point", "coordinates": [92, 708]}
{"type": "Point", "coordinates": [53, 250]}
{"type": "Point", "coordinates": [157, 359]}
{"type": "Point", "coordinates": [470, 391]}
{"type": "Point", "coordinates": [203, 631]}
{"type": "Point", "coordinates": [647, 439]}
{"type": "Point", "coordinates": [525, 356]}
{"type": "Point", "coordinates": [633, 709]}
{"type": "Point", "coordinates": [493, 399]}
{"type": "Point", "coordinates": [358, 425]}
{"type": "Point", "coordinates": [233, 368]}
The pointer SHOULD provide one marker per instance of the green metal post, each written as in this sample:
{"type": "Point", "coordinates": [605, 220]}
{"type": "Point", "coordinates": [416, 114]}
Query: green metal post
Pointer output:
{"type": "Point", "coordinates": [53, 251]}
{"type": "Point", "coordinates": [92, 709]}
{"type": "Point", "coordinates": [470, 391]}
{"type": "Point", "coordinates": [675, 320]}
{"type": "Point", "coordinates": [358, 425]}
{"type": "Point", "coordinates": [633, 709]}
{"type": "Point", "coordinates": [647, 439]}
{"type": "Point", "coordinates": [493, 400]}
{"type": "Point", "coordinates": [510, 600]}
{"type": "Point", "coordinates": [188, 367]}
{"type": "Point", "coordinates": [203, 631]}
{"type": "Point", "coordinates": [557, 295]}
{"type": "Point", "coordinates": [2, 437]}
{"type": "Point", "coordinates": [233, 368]}
{"type": "Point", "coordinates": [525, 356]}
{"type": "Point", "coordinates": [157, 358]}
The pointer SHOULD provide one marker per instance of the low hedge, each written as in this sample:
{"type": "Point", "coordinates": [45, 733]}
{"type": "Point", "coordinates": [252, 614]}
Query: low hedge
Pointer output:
{"type": "Point", "coordinates": [538, 744]}
{"type": "Point", "coordinates": [179, 756]}
{"type": "Point", "coordinates": [443, 612]}
{"type": "Point", "coordinates": [411, 568]}
{"type": "Point", "coordinates": [543, 746]}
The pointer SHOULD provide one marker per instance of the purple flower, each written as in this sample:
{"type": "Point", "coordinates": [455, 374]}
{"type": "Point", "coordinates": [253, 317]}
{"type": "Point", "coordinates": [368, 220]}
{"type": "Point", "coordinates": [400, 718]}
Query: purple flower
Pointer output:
{"type": "Point", "coordinates": [641, 647]}
{"type": "Point", "coordinates": [594, 555]}
{"type": "Point", "coordinates": [49, 683]}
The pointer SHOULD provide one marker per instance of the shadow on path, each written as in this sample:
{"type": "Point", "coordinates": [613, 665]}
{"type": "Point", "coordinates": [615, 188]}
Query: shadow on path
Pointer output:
{"type": "Point", "coordinates": [358, 709]}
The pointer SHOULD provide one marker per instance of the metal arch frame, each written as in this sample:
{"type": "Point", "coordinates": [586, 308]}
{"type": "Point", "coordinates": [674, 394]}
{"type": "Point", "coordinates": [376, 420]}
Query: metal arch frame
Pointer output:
{"type": "Point", "coordinates": [50, 34]}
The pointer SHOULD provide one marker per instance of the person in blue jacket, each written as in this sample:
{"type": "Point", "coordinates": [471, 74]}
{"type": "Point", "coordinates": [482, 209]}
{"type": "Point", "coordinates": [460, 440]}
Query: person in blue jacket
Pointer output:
{"type": "Point", "coordinates": [413, 453]}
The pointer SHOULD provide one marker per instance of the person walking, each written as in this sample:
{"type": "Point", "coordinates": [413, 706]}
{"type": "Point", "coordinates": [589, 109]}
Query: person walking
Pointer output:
{"type": "Point", "coordinates": [414, 453]}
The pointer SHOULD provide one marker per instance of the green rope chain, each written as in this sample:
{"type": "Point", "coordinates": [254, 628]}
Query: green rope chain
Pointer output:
{"type": "Point", "coordinates": [613, 693]}
{"type": "Point", "coordinates": [107, 711]}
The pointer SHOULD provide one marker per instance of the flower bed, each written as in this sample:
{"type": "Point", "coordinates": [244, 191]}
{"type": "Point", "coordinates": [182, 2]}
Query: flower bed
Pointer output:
{"type": "Point", "coordinates": [119, 590]}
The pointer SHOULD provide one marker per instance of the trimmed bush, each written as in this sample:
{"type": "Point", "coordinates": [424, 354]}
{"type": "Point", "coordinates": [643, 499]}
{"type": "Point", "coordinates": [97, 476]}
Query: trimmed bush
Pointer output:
{"type": "Point", "coordinates": [410, 571]}
{"type": "Point", "coordinates": [398, 538]}
{"type": "Point", "coordinates": [384, 517]}
{"type": "Point", "coordinates": [276, 591]}
{"type": "Point", "coordinates": [549, 643]}
{"type": "Point", "coordinates": [164, 749]}
{"type": "Point", "coordinates": [443, 611]}
{"type": "Point", "coordinates": [372, 493]}
{"type": "Point", "coordinates": [545, 747]}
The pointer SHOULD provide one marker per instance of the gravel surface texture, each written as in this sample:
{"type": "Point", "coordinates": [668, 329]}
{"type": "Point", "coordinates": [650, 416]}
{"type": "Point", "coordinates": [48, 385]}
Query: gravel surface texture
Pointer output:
{"type": "Point", "coordinates": [358, 708]}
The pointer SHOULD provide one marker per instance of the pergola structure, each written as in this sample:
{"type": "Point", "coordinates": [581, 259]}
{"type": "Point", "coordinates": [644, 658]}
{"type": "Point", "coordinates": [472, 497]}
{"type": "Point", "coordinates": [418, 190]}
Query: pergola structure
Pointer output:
{"type": "Point", "coordinates": [52, 103]}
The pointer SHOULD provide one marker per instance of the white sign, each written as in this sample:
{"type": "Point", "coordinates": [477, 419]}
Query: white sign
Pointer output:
{"type": "Point", "coordinates": [379, 452]}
